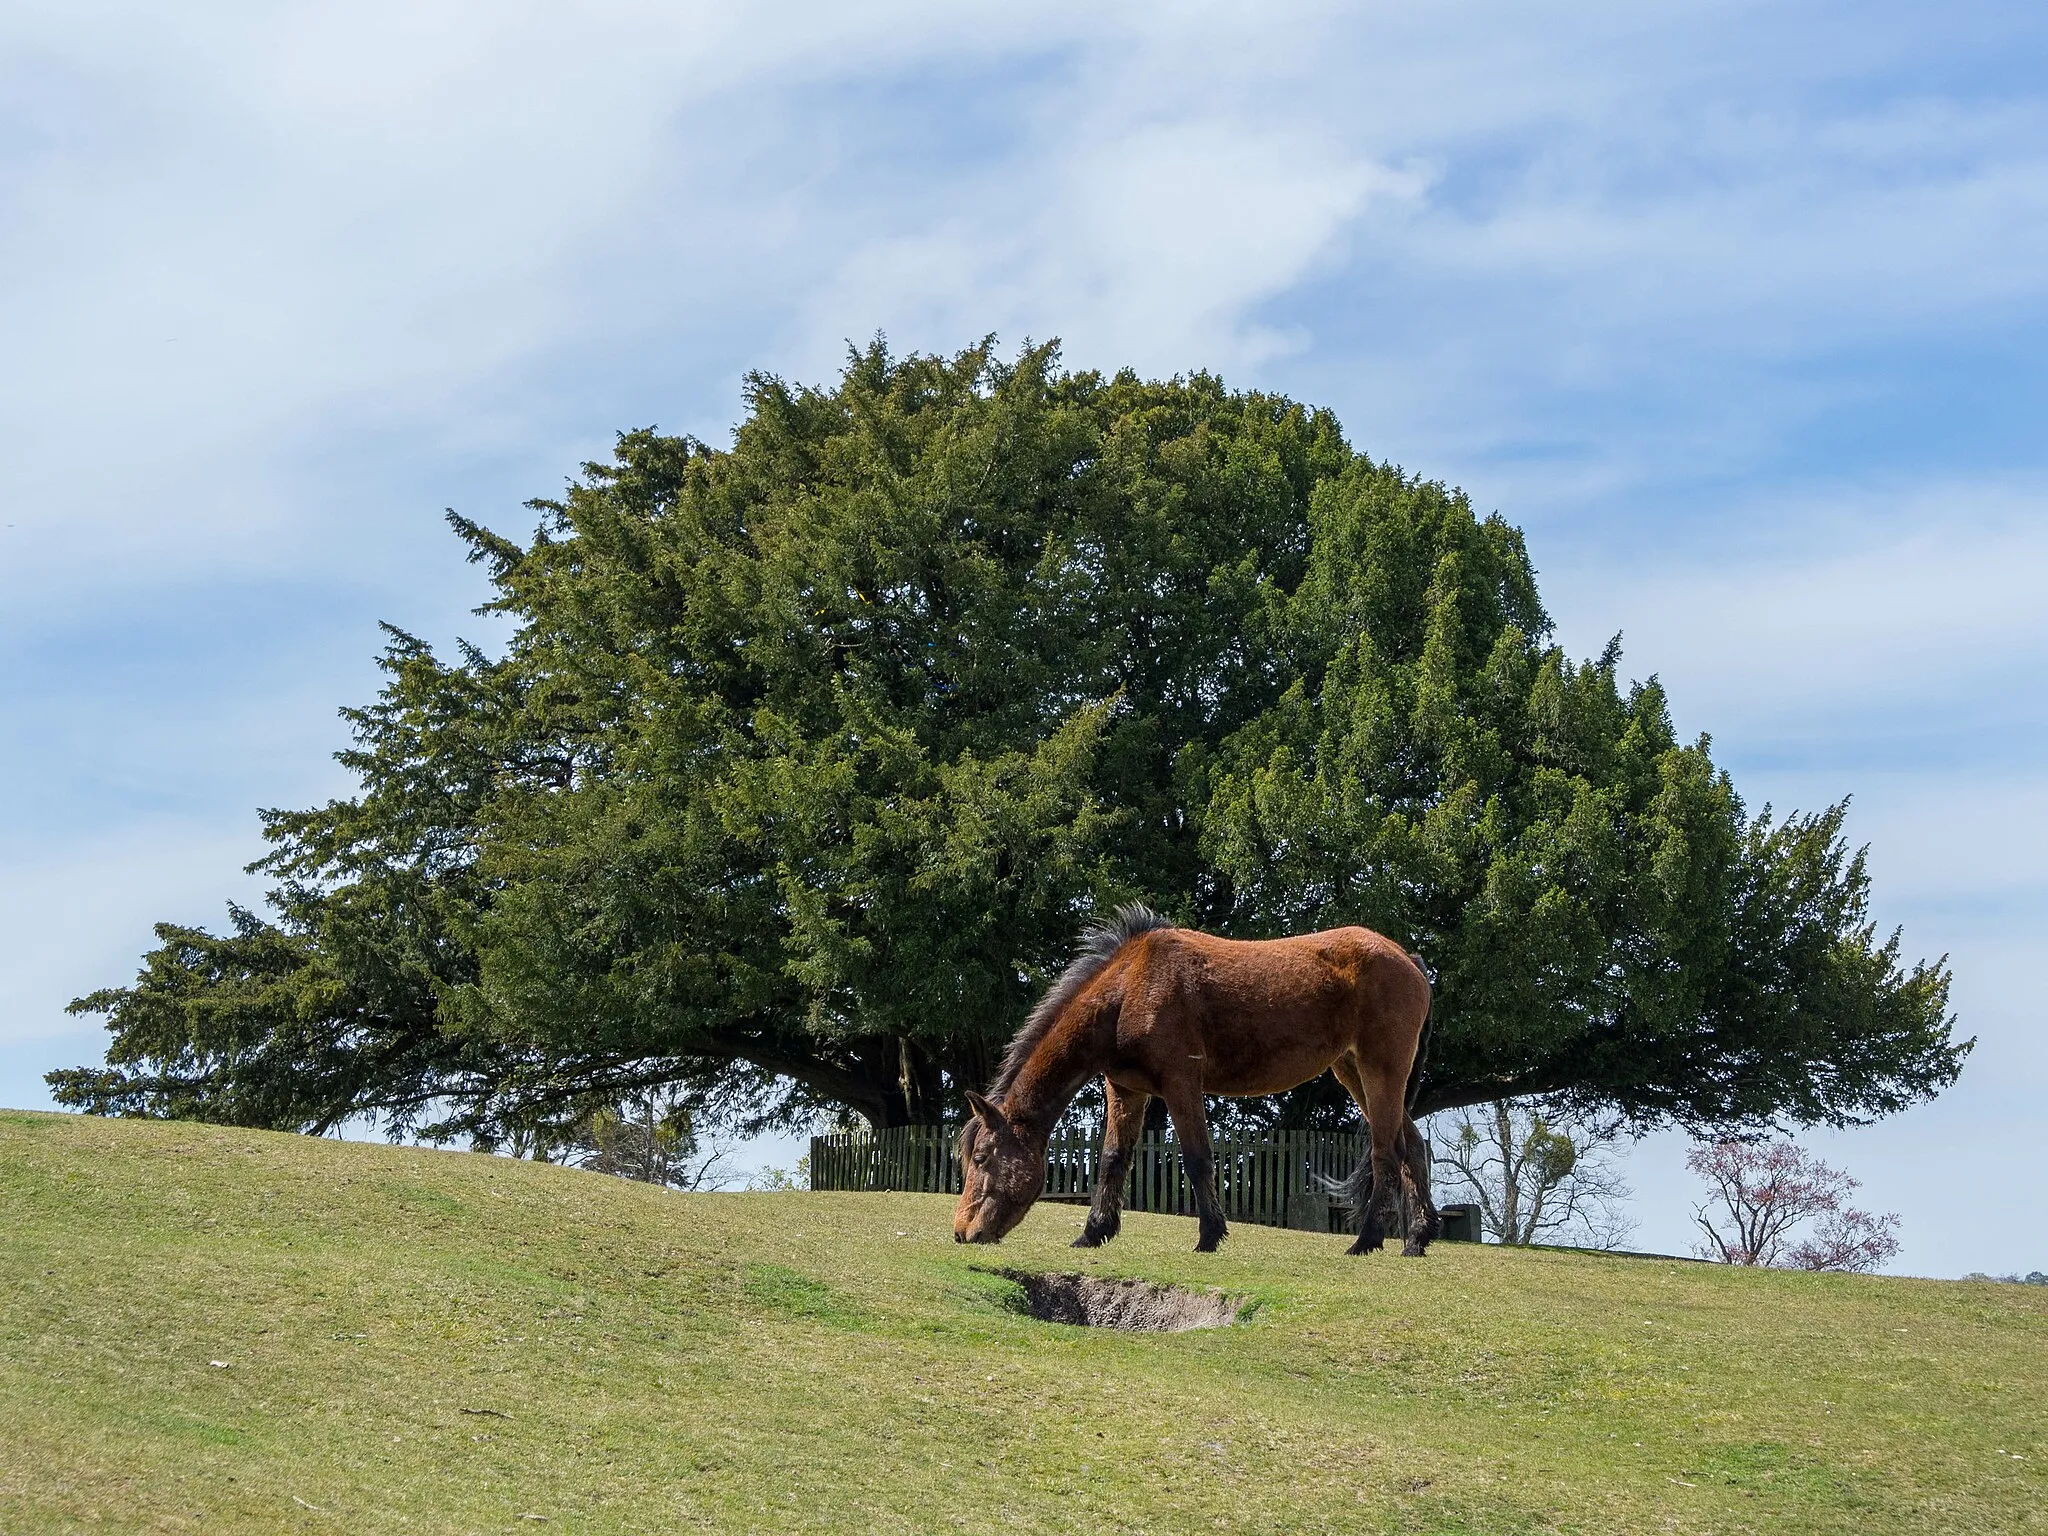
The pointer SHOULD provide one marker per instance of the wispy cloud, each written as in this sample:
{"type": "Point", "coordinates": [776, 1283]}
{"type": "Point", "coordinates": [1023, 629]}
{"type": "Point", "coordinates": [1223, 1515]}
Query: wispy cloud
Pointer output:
{"type": "Point", "coordinates": [1820, 617]}
{"type": "Point", "coordinates": [1149, 245]}
{"type": "Point", "coordinates": [233, 234]}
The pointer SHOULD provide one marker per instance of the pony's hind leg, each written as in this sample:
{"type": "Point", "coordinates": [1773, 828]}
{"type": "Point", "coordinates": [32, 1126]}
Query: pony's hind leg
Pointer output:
{"type": "Point", "coordinates": [1357, 1193]}
{"type": "Point", "coordinates": [1370, 1238]}
{"type": "Point", "coordinates": [1386, 1191]}
{"type": "Point", "coordinates": [1422, 1218]}
{"type": "Point", "coordinates": [1387, 1118]}
{"type": "Point", "coordinates": [1123, 1124]}
{"type": "Point", "coordinates": [1198, 1157]}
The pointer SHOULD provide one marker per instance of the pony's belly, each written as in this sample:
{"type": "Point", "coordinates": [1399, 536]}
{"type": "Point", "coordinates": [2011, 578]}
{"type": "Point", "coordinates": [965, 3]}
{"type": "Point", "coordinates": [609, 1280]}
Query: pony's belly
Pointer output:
{"type": "Point", "coordinates": [1250, 1052]}
{"type": "Point", "coordinates": [1273, 1074]}
{"type": "Point", "coordinates": [1234, 1087]}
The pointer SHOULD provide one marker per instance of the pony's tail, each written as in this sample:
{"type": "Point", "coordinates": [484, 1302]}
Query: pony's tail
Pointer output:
{"type": "Point", "coordinates": [1353, 1192]}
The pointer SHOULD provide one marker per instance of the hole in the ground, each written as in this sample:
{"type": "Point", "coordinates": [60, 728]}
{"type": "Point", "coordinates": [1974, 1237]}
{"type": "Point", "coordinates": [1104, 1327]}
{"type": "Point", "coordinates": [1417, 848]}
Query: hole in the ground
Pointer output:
{"type": "Point", "coordinates": [1141, 1306]}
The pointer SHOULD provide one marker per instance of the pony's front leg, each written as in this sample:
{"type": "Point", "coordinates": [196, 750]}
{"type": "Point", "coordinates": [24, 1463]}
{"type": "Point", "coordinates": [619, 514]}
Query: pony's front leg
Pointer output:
{"type": "Point", "coordinates": [1198, 1157]}
{"type": "Point", "coordinates": [1123, 1124]}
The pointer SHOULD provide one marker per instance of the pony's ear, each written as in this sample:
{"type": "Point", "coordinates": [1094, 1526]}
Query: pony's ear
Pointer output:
{"type": "Point", "coordinates": [984, 1111]}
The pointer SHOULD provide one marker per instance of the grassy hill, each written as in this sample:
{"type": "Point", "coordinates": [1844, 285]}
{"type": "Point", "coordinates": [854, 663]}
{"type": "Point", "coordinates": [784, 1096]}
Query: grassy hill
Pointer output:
{"type": "Point", "coordinates": [221, 1331]}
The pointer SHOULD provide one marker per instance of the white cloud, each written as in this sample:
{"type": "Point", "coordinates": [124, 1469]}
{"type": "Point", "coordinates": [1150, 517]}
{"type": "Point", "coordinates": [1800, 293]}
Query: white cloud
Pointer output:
{"type": "Point", "coordinates": [1149, 245]}
{"type": "Point", "coordinates": [1889, 611]}
{"type": "Point", "coordinates": [1952, 849]}
{"type": "Point", "coordinates": [238, 234]}
{"type": "Point", "coordinates": [241, 235]}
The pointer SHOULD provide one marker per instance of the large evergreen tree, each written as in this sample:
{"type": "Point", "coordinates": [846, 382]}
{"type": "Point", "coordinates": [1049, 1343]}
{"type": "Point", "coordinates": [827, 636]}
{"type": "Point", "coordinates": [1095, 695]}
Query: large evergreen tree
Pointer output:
{"type": "Point", "coordinates": [809, 756]}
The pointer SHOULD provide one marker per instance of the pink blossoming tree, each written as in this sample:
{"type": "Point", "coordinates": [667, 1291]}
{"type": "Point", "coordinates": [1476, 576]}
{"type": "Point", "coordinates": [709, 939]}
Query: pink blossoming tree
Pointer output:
{"type": "Point", "coordinates": [1761, 1194]}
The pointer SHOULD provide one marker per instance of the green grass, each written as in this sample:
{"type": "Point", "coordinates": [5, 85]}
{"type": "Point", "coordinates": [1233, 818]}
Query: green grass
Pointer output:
{"type": "Point", "coordinates": [437, 1342]}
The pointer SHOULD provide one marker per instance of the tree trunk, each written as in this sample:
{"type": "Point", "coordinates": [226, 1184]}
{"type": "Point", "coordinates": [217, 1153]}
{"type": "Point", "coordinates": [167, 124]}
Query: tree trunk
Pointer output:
{"type": "Point", "coordinates": [1511, 1176]}
{"type": "Point", "coordinates": [922, 1084]}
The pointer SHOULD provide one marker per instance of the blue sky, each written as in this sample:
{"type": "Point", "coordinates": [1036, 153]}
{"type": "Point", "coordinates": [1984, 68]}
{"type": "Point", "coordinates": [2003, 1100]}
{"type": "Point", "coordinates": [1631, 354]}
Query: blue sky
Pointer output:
{"type": "Point", "coordinates": [1739, 310]}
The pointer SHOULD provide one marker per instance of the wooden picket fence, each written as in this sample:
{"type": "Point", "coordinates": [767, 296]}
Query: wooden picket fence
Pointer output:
{"type": "Point", "coordinates": [1272, 1180]}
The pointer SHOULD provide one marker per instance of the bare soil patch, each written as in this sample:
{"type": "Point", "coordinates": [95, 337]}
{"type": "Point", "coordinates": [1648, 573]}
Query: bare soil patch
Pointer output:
{"type": "Point", "coordinates": [1137, 1306]}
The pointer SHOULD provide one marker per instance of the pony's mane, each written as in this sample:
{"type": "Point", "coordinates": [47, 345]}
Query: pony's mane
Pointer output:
{"type": "Point", "coordinates": [1099, 944]}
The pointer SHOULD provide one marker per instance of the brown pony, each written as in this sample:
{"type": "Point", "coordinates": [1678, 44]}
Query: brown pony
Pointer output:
{"type": "Point", "coordinates": [1156, 1009]}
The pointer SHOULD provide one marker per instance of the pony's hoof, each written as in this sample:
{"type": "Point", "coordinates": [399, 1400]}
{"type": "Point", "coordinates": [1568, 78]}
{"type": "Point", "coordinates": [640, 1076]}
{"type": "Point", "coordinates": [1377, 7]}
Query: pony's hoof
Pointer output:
{"type": "Point", "coordinates": [1363, 1245]}
{"type": "Point", "coordinates": [1415, 1250]}
{"type": "Point", "coordinates": [1095, 1231]}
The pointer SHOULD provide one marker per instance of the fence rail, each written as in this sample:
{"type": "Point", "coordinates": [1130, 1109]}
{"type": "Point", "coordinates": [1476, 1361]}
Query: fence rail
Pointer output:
{"type": "Point", "coordinates": [1272, 1180]}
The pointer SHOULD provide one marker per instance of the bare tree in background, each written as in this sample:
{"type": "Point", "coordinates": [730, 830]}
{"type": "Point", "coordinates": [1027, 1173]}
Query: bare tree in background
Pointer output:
{"type": "Point", "coordinates": [1536, 1174]}
{"type": "Point", "coordinates": [1760, 1193]}
{"type": "Point", "coordinates": [650, 1139]}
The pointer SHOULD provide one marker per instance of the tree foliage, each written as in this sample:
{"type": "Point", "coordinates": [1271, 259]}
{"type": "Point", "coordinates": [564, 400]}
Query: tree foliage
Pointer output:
{"type": "Point", "coordinates": [808, 757]}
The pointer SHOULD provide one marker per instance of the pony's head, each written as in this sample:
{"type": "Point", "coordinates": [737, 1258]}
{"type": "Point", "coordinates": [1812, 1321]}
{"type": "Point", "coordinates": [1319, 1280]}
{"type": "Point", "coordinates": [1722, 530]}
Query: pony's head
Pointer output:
{"type": "Point", "coordinates": [1002, 1173]}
